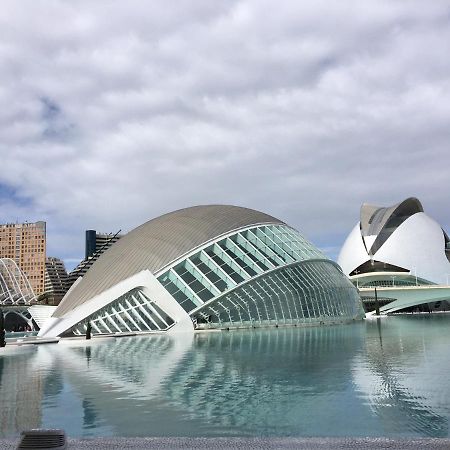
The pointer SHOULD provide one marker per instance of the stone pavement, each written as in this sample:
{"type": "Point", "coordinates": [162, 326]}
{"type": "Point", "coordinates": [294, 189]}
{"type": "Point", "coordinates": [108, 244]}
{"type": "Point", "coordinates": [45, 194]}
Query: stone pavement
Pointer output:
{"type": "Point", "coordinates": [247, 443]}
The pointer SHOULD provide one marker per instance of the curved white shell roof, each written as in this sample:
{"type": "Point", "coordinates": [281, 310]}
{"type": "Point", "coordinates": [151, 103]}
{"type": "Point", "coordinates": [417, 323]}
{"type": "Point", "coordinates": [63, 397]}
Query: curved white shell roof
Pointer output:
{"type": "Point", "coordinates": [413, 241]}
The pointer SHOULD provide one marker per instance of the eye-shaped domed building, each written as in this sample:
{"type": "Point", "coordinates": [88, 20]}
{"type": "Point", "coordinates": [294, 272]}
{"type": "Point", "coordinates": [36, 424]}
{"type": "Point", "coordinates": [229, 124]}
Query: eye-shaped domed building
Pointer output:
{"type": "Point", "coordinates": [203, 267]}
{"type": "Point", "coordinates": [401, 250]}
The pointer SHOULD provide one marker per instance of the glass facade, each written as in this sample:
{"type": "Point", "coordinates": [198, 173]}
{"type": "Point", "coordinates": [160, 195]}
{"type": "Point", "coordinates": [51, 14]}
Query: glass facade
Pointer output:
{"type": "Point", "coordinates": [259, 276]}
{"type": "Point", "coordinates": [132, 312]}
{"type": "Point", "coordinates": [390, 281]}
{"type": "Point", "coordinates": [301, 293]}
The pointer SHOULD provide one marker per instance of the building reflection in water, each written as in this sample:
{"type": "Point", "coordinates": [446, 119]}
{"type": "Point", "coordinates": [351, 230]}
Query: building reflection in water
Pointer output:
{"type": "Point", "coordinates": [373, 378]}
{"type": "Point", "coordinates": [21, 390]}
{"type": "Point", "coordinates": [398, 376]}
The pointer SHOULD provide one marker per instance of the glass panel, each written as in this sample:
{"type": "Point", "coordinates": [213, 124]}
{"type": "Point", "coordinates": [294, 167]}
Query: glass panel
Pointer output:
{"type": "Point", "coordinates": [132, 312]}
{"type": "Point", "coordinates": [307, 292]}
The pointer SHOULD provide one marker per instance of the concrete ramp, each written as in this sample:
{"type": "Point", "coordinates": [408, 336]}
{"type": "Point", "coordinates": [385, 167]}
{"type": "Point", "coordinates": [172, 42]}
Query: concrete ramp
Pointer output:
{"type": "Point", "coordinates": [41, 313]}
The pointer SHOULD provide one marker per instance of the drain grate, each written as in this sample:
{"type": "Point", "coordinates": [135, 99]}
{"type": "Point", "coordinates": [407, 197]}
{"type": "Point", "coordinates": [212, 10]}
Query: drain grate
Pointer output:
{"type": "Point", "coordinates": [43, 439]}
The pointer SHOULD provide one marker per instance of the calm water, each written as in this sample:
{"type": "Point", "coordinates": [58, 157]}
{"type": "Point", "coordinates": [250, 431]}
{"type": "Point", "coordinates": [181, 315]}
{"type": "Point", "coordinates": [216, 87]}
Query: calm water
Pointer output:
{"type": "Point", "coordinates": [375, 378]}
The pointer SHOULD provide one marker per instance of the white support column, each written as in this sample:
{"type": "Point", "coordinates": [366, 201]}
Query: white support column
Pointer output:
{"type": "Point", "coordinates": [129, 317]}
{"type": "Point", "coordinates": [119, 318]}
{"type": "Point", "coordinates": [104, 324]}
{"type": "Point", "coordinates": [144, 311]}
{"type": "Point", "coordinates": [112, 322]}
{"type": "Point", "coordinates": [133, 311]}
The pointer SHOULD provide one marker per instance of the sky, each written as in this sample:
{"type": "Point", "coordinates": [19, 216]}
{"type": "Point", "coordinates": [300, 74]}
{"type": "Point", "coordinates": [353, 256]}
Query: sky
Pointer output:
{"type": "Point", "coordinates": [116, 112]}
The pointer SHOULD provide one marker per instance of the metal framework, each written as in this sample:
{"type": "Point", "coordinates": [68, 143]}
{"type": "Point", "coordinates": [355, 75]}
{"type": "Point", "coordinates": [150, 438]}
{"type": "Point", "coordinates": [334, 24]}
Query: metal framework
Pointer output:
{"type": "Point", "coordinates": [15, 288]}
{"type": "Point", "coordinates": [132, 312]}
{"type": "Point", "coordinates": [257, 276]}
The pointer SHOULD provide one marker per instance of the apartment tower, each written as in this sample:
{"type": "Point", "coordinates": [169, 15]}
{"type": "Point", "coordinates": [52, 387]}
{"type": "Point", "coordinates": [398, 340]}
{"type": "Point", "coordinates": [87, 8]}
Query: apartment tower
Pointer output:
{"type": "Point", "coordinates": [55, 280]}
{"type": "Point", "coordinates": [25, 243]}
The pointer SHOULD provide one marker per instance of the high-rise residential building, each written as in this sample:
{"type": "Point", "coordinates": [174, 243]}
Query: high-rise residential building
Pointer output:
{"type": "Point", "coordinates": [25, 243]}
{"type": "Point", "coordinates": [55, 280]}
{"type": "Point", "coordinates": [96, 244]}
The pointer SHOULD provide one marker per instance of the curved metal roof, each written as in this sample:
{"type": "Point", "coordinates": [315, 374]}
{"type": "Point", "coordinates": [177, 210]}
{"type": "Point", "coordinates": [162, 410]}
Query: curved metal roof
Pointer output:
{"type": "Point", "coordinates": [382, 221]}
{"type": "Point", "coordinates": [157, 243]}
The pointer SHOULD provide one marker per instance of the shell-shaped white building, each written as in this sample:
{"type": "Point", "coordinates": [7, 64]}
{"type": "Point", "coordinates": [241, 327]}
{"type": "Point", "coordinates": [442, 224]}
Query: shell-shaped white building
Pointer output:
{"type": "Point", "coordinates": [215, 266]}
{"type": "Point", "coordinates": [398, 246]}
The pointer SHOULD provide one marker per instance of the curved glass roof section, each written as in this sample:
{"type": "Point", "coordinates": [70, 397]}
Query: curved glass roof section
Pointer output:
{"type": "Point", "coordinates": [383, 221]}
{"type": "Point", "coordinates": [157, 243]}
{"type": "Point", "coordinates": [303, 292]}
{"type": "Point", "coordinates": [234, 260]}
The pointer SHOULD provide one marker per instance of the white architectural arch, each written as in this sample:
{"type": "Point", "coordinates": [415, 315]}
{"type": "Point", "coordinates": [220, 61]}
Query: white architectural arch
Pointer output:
{"type": "Point", "coordinates": [15, 288]}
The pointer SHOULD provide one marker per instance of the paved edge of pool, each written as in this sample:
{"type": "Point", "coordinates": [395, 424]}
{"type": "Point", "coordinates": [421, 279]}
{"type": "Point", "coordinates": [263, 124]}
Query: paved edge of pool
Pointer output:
{"type": "Point", "coordinates": [250, 443]}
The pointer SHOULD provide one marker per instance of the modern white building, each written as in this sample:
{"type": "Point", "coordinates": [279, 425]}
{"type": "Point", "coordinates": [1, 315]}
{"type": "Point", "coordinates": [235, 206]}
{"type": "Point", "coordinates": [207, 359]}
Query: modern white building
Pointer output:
{"type": "Point", "coordinates": [401, 251]}
{"type": "Point", "coordinates": [203, 267]}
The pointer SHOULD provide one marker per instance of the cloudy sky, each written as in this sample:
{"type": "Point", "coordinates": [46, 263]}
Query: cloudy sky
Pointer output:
{"type": "Point", "coordinates": [115, 112]}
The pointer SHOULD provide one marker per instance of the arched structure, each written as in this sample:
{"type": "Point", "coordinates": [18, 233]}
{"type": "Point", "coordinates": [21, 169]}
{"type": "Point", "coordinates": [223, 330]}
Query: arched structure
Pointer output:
{"type": "Point", "coordinates": [215, 266]}
{"type": "Point", "coordinates": [15, 288]}
{"type": "Point", "coordinates": [398, 249]}
{"type": "Point", "coordinates": [18, 318]}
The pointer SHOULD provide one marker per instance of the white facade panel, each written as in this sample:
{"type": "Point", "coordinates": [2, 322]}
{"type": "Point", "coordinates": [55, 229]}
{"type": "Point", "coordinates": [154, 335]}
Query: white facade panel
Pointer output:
{"type": "Point", "coordinates": [408, 239]}
{"type": "Point", "coordinates": [353, 252]}
{"type": "Point", "coordinates": [417, 245]}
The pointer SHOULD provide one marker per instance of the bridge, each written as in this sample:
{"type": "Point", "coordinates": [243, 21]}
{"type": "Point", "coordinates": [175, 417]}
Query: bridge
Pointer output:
{"type": "Point", "coordinates": [407, 296]}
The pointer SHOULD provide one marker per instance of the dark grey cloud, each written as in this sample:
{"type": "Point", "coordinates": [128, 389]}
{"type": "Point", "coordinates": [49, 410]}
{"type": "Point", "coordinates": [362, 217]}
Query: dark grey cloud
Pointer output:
{"type": "Point", "coordinates": [117, 112]}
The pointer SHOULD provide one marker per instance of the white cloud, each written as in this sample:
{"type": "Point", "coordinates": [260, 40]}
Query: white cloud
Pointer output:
{"type": "Point", "coordinates": [114, 113]}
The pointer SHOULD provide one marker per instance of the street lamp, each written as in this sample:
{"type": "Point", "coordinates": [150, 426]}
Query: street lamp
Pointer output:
{"type": "Point", "coordinates": [357, 280]}
{"type": "Point", "coordinates": [415, 274]}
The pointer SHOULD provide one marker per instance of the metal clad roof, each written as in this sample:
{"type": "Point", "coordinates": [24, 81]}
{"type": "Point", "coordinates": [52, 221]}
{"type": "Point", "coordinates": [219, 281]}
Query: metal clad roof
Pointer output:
{"type": "Point", "coordinates": [374, 218]}
{"type": "Point", "coordinates": [157, 243]}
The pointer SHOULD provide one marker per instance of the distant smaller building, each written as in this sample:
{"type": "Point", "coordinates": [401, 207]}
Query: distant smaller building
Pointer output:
{"type": "Point", "coordinates": [56, 280]}
{"type": "Point", "coordinates": [95, 244]}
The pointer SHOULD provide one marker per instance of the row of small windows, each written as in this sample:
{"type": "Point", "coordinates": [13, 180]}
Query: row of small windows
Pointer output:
{"type": "Point", "coordinates": [392, 282]}
{"type": "Point", "coordinates": [233, 260]}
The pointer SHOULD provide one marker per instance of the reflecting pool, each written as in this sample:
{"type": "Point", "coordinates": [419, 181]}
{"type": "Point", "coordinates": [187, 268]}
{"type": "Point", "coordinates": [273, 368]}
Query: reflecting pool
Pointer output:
{"type": "Point", "coordinates": [385, 377]}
